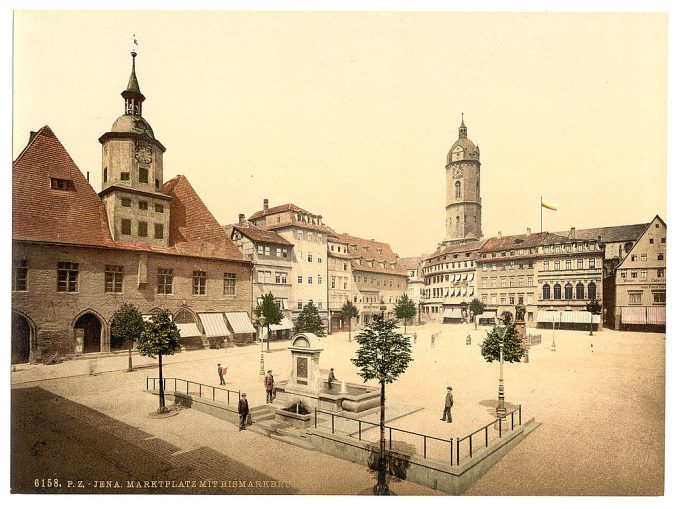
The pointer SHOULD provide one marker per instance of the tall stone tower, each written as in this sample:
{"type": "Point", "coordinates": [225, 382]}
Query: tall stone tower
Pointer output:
{"type": "Point", "coordinates": [463, 202]}
{"type": "Point", "coordinates": [132, 174]}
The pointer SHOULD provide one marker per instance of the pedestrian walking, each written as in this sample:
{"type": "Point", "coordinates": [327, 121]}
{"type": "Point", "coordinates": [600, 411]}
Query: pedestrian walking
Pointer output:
{"type": "Point", "coordinates": [331, 378]}
{"type": "Point", "coordinates": [221, 371]}
{"type": "Point", "coordinates": [432, 341]}
{"type": "Point", "coordinates": [448, 403]}
{"type": "Point", "coordinates": [269, 386]}
{"type": "Point", "coordinates": [243, 411]}
{"type": "Point", "coordinates": [415, 338]}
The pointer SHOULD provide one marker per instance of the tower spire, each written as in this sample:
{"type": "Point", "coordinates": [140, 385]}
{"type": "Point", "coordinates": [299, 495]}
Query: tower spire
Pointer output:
{"type": "Point", "coordinates": [132, 94]}
{"type": "Point", "coordinates": [462, 130]}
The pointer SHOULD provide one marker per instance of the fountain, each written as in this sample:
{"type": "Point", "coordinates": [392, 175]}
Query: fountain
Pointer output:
{"type": "Point", "coordinates": [343, 387]}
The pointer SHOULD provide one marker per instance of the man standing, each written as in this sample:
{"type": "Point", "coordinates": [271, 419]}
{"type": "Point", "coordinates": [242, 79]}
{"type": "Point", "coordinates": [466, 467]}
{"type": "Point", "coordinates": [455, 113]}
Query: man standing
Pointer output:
{"type": "Point", "coordinates": [220, 372]}
{"type": "Point", "coordinates": [269, 386]}
{"type": "Point", "coordinates": [448, 403]}
{"type": "Point", "coordinates": [331, 378]}
{"type": "Point", "coordinates": [242, 411]}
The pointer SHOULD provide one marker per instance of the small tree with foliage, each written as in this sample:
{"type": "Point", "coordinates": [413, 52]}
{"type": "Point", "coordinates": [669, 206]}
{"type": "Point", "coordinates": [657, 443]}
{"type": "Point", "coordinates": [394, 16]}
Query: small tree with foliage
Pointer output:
{"type": "Point", "coordinates": [513, 350]}
{"type": "Point", "coordinates": [594, 307]}
{"type": "Point", "coordinates": [405, 309]}
{"type": "Point", "coordinates": [271, 312]}
{"type": "Point", "coordinates": [348, 312]}
{"type": "Point", "coordinates": [126, 327]}
{"type": "Point", "coordinates": [160, 337]}
{"type": "Point", "coordinates": [383, 354]}
{"type": "Point", "coordinates": [310, 321]}
{"type": "Point", "coordinates": [476, 308]}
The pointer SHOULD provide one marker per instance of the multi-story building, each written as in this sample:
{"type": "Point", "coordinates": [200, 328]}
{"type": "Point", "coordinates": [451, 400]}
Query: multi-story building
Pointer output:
{"type": "Point", "coordinates": [271, 255]}
{"type": "Point", "coordinates": [77, 256]}
{"type": "Point", "coordinates": [339, 282]}
{"type": "Point", "coordinates": [415, 284]}
{"type": "Point", "coordinates": [637, 297]}
{"type": "Point", "coordinates": [451, 281]}
{"type": "Point", "coordinates": [309, 268]}
{"type": "Point", "coordinates": [378, 280]}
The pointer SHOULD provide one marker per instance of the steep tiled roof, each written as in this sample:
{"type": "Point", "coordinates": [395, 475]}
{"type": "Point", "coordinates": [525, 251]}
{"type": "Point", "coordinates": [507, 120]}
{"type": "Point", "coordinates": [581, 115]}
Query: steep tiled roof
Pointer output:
{"type": "Point", "coordinates": [291, 219]}
{"type": "Point", "coordinates": [78, 216]}
{"type": "Point", "coordinates": [279, 208]}
{"type": "Point", "coordinates": [410, 263]}
{"type": "Point", "coordinates": [521, 241]}
{"type": "Point", "coordinates": [606, 234]}
{"type": "Point", "coordinates": [249, 230]}
{"type": "Point", "coordinates": [371, 250]}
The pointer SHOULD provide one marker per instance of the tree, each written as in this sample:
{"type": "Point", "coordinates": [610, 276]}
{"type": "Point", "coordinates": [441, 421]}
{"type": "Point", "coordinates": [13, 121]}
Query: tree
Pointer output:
{"type": "Point", "coordinates": [405, 309]}
{"type": "Point", "coordinates": [513, 350]}
{"type": "Point", "coordinates": [594, 307]}
{"type": "Point", "coordinates": [126, 327]}
{"type": "Point", "coordinates": [271, 312]}
{"type": "Point", "coordinates": [383, 355]}
{"type": "Point", "coordinates": [476, 308]}
{"type": "Point", "coordinates": [348, 312]}
{"type": "Point", "coordinates": [160, 337]}
{"type": "Point", "coordinates": [309, 321]}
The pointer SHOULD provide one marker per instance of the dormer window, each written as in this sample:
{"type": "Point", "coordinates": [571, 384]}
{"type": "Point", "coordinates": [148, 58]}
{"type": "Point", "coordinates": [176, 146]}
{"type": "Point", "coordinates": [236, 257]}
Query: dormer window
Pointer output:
{"type": "Point", "coordinates": [61, 184]}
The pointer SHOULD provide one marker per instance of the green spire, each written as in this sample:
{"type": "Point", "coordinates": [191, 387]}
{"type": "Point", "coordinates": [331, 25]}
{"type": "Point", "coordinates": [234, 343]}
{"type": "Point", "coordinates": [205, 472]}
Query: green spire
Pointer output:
{"type": "Point", "coordinates": [133, 84]}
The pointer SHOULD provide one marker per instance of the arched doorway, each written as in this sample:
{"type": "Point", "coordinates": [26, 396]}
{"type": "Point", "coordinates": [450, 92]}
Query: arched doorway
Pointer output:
{"type": "Point", "coordinates": [21, 339]}
{"type": "Point", "coordinates": [91, 329]}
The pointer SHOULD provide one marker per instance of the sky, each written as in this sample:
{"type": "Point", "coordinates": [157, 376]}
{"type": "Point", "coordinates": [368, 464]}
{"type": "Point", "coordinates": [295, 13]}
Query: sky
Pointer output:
{"type": "Point", "coordinates": [351, 115]}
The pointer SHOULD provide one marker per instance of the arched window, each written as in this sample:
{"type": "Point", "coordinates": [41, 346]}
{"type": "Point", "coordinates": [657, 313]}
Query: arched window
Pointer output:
{"type": "Point", "coordinates": [557, 291]}
{"type": "Point", "coordinates": [458, 189]}
{"type": "Point", "coordinates": [568, 291]}
{"type": "Point", "coordinates": [478, 189]}
{"type": "Point", "coordinates": [546, 292]}
{"type": "Point", "coordinates": [579, 291]}
{"type": "Point", "coordinates": [628, 246]}
{"type": "Point", "coordinates": [592, 291]}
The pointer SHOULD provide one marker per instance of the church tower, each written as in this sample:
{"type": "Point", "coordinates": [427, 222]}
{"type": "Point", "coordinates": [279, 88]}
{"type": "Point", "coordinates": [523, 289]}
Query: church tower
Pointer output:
{"type": "Point", "coordinates": [132, 174]}
{"type": "Point", "coordinates": [463, 201]}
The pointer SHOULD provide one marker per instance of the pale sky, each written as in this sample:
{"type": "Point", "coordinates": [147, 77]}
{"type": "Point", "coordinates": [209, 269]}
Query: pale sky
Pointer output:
{"type": "Point", "coordinates": [351, 115]}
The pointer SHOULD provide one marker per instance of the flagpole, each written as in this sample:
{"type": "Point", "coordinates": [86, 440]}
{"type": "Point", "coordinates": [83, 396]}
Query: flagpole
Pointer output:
{"type": "Point", "coordinates": [541, 206]}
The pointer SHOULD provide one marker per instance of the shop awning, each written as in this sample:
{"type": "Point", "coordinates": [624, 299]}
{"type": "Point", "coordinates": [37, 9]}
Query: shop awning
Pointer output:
{"type": "Point", "coordinates": [472, 290]}
{"type": "Point", "coordinates": [656, 315]}
{"type": "Point", "coordinates": [457, 277]}
{"type": "Point", "coordinates": [240, 322]}
{"type": "Point", "coordinates": [487, 315]}
{"type": "Point", "coordinates": [548, 316]}
{"type": "Point", "coordinates": [284, 325]}
{"type": "Point", "coordinates": [578, 317]}
{"type": "Point", "coordinates": [213, 324]}
{"type": "Point", "coordinates": [634, 315]}
{"type": "Point", "coordinates": [452, 313]}
{"type": "Point", "coordinates": [465, 277]}
{"type": "Point", "coordinates": [472, 276]}
{"type": "Point", "coordinates": [188, 330]}
{"type": "Point", "coordinates": [465, 291]}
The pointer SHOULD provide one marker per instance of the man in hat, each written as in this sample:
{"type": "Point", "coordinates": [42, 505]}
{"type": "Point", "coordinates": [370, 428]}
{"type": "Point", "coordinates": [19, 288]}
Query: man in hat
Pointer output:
{"type": "Point", "coordinates": [448, 403]}
{"type": "Point", "coordinates": [220, 372]}
{"type": "Point", "coordinates": [331, 378]}
{"type": "Point", "coordinates": [243, 411]}
{"type": "Point", "coordinates": [269, 386]}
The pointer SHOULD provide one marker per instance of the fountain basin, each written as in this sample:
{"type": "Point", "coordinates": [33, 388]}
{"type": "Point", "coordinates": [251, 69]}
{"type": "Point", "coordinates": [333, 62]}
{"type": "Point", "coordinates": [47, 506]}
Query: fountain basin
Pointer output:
{"type": "Point", "coordinates": [356, 399]}
{"type": "Point", "coordinates": [292, 419]}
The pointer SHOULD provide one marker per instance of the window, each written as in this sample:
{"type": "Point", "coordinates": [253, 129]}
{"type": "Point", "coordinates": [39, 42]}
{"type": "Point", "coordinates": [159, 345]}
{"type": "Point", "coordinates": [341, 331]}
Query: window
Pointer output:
{"type": "Point", "coordinates": [634, 297]}
{"type": "Point", "coordinates": [557, 265]}
{"type": "Point", "coordinates": [633, 258]}
{"type": "Point", "coordinates": [659, 256]}
{"type": "Point", "coordinates": [659, 297]}
{"type": "Point", "coordinates": [633, 274]}
{"type": "Point", "coordinates": [144, 175]}
{"type": "Point", "coordinates": [158, 183]}
{"type": "Point", "coordinates": [158, 207]}
{"type": "Point", "coordinates": [512, 282]}
{"type": "Point", "coordinates": [310, 237]}
{"type": "Point", "coordinates": [592, 291]}
{"type": "Point", "coordinates": [157, 231]}
{"type": "Point", "coordinates": [198, 282]}
{"type": "Point", "coordinates": [660, 272]}
{"type": "Point", "coordinates": [299, 279]}
{"type": "Point", "coordinates": [458, 189]}
{"type": "Point", "coordinates": [67, 277]}
{"type": "Point", "coordinates": [267, 251]}
{"type": "Point", "coordinates": [310, 258]}
{"type": "Point", "coordinates": [579, 263]}
{"type": "Point", "coordinates": [624, 274]}
{"type": "Point", "coordinates": [546, 265]}
{"type": "Point", "coordinates": [580, 291]}
{"type": "Point", "coordinates": [512, 298]}
{"type": "Point", "coordinates": [106, 174]}
{"type": "Point", "coordinates": [530, 280]}
{"type": "Point", "coordinates": [264, 276]}
{"type": "Point", "coordinates": [126, 202]}
{"type": "Point", "coordinates": [299, 305]}
{"type": "Point", "coordinates": [663, 240]}
{"type": "Point", "coordinates": [318, 259]}
{"type": "Point", "coordinates": [281, 278]}
{"type": "Point", "coordinates": [124, 175]}
{"type": "Point", "coordinates": [520, 281]}
{"type": "Point", "coordinates": [332, 282]}
{"type": "Point", "coordinates": [142, 228]}
{"type": "Point", "coordinates": [260, 249]}
{"type": "Point", "coordinates": [546, 292]}
{"type": "Point", "coordinates": [126, 226]}
{"type": "Point", "coordinates": [143, 205]}
{"type": "Point", "coordinates": [310, 280]}
{"type": "Point", "coordinates": [651, 241]}
{"type": "Point", "coordinates": [557, 291]}
{"type": "Point", "coordinates": [284, 252]}
{"type": "Point", "coordinates": [568, 291]}
{"type": "Point", "coordinates": [164, 281]}
{"type": "Point", "coordinates": [567, 265]}
{"type": "Point", "coordinates": [19, 276]}
{"type": "Point", "coordinates": [643, 274]}
{"type": "Point", "coordinates": [502, 298]}
{"type": "Point", "coordinates": [113, 279]}
{"type": "Point", "coordinates": [520, 298]}
{"type": "Point", "coordinates": [61, 184]}
{"type": "Point", "coordinates": [229, 283]}
{"type": "Point", "coordinates": [278, 252]}
{"type": "Point", "coordinates": [320, 305]}
{"type": "Point", "coordinates": [643, 257]}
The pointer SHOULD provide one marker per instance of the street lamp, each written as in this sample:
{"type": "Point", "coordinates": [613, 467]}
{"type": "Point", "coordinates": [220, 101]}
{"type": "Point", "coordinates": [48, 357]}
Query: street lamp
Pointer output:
{"type": "Point", "coordinates": [260, 321]}
{"type": "Point", "coordinates": [552, 348]}
{"type": "Point", "coordinates": [500, 409]}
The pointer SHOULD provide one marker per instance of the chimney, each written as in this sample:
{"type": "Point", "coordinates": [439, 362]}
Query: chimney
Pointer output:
{"type": "Point", "coordinates": [500, 234]}
{"type": "Point", "coordinates": [241, 218]}
{"type": "Point", "coordinates": [528, 230]}
{"type": "Point", "coordinates": [31, 136]}
{"type": "Point", "coordinates": [572, 233]}
{"type": "Point", "coordinates": [87, 176]}
{"type": "Point", "coordinates": [265, 206]}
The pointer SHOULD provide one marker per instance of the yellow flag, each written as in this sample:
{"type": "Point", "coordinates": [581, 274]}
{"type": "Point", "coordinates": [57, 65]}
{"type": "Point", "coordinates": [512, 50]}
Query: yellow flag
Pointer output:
{"type": "Point", "coordinates": [548, 206]}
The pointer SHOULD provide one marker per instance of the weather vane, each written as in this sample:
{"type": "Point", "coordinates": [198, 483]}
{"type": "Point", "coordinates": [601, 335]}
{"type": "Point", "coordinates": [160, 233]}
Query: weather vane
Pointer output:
{"type": "Point", "coordinates": [134, 41]}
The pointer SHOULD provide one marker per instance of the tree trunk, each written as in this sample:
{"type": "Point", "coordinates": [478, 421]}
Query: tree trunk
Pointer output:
{"type": "Point", "coordinates": [350, 330]}
{"type": "Point", "coordinates": [404, 325]}
{"type": "Point", "coordinates": [161, 391]}
{"type": "Point", "coordinates": [381, 488]}
{"type": "Point", "coordinates": [129, 355]}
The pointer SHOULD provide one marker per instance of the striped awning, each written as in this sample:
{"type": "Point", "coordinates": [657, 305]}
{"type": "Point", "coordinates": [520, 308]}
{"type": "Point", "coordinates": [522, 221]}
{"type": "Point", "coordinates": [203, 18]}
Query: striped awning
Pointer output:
{"type": "Point", "coordinates": [188, 330]}
{"type": "Point", "coordinates": [472, 290]}
{"type": "Point", "coordinates": [578, 317]}
{"type": "Point", "coordinates": [213, 324]}
{"type": "Point", "coordinates": [487, 315]}
{"type": "Point", "coordinates": [284, 325]}
{"type": "Point", "coordinates": [240, 322]}
{"type": "Point", "coordinates": [465, 277]}
{"type": "Point", "coordinates": [453, 313]}
{"type": "Point", "coordinates": [548, 316]}
{"type": "Point", "coordinates": [465, 291]}
{"type": "Point", "coordinates": [634, 315]}
{"type": "Point", "coordinates": [656, 315]}
{"type": "Point", "coordinates": [472, 276]}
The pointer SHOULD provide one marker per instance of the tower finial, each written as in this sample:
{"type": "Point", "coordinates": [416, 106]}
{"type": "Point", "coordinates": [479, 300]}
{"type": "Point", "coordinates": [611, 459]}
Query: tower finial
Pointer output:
{"type": "Point", "coordinates": [462, 130]}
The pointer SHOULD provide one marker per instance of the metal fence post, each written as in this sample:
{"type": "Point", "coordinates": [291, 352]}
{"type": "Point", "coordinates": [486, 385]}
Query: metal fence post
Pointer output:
{"type": "Point", "coordinates": [512, 421]}
{"type": "Point", "coordinates": [213, 394]}
{"type": "Point", "coordinates": [175, 385]}
{"type": "Point", "coordinates": [520, 415]}
{"type": "Point", "coordinates": [425, 446]}
{"type": "Point", "coordinates": [471, 446]}
{"type": "Point", "coordinates": [332, 423]}
{"type": "Point", "coordinates": [315, 417]}
{"type": "Point", "coordinates": [486, 436]}
{"type": "Point", "coordinates": [390, 438]}
{"type": "Point", "coordinates": [457, 451]}
{"type": "Point", "coordinates": [187, 387]}
{"type": "Point", "coordinates": [500, 428]}
{"type": "Point", "coordinates": [359, 431]}
{"type": "Point", "coordinates": [451, 449]}
{"type": "Point", "coordinates": [147, 383]}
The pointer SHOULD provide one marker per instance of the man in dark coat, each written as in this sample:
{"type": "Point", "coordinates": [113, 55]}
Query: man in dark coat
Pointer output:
{"type": "Point", "coordinates": [220, 372]}
{"type": "Point", "coordinates": [448, 403]}
{"type": "Point", "coordinates": [243, 411]}
{"type": "Point", "coordinates": [269, 386]}
{"type": "Point", "coordinates": [331, 378]}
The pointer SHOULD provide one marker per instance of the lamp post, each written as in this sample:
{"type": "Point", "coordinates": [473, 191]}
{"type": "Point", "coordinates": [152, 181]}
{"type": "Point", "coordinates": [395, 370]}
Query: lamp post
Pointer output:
{"type": "Point", "coordinates": [500, 409]}
{"type": "Point", "coordinates": [260, 323]}
{"type": "Point", "coordinates": [552, 348]}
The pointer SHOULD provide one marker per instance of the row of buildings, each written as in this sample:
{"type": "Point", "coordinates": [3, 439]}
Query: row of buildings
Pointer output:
{"type": "Point", "coordinates": [77, 255]}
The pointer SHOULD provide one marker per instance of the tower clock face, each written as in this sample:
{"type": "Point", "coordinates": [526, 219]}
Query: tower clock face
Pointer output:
{"type": "Point", "coordinates": [143, 152]}
{"type": "Point", "coordinates": [458, 173]}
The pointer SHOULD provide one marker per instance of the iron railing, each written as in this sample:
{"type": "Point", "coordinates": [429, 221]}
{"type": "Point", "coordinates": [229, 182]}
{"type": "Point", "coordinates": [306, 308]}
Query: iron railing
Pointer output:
{"type": "Point", "coordinates": [203, 389]}
{"type": "Point", "coordinates": [485, 429]}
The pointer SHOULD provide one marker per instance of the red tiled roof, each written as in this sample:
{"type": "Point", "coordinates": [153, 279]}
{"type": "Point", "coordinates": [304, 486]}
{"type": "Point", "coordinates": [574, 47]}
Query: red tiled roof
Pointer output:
{"type": "Point", "coordinates": [606, 234]}
{"type": "Point", "coordinates": [522, 241]}
{"type": "Point", "coordinates": [78, 216]}
{"type": "Point", "coordinates": [279, 208]}
{"type": "Point", "coordinates": [248, 229]}
{"type": "Point", "coordinates": [365, 249]}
